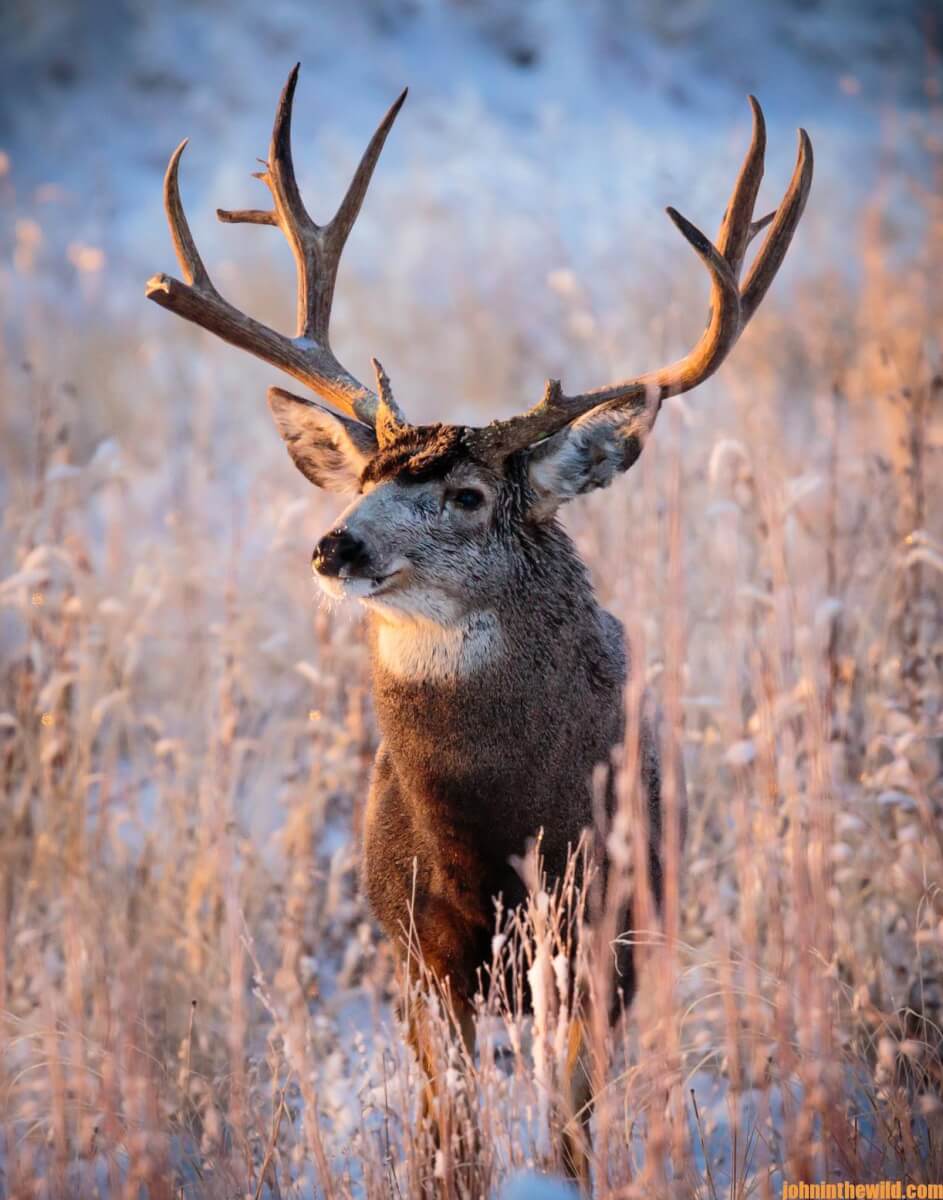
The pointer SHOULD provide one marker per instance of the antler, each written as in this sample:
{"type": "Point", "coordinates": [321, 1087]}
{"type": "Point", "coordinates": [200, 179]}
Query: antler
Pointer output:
{"type": "Point", "coordinates": [732, 306]}
{"type": "Point", "coordinates": [317, 251]}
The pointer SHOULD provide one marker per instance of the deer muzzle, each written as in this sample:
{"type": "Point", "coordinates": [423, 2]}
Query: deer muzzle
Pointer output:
{"type": "Point", "coordinates": [340, 553]}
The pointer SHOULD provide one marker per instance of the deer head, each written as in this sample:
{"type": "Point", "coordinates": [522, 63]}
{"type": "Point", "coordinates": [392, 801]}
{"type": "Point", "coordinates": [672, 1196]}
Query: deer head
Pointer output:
{"type": "Point", "coordinates": [442, 511]}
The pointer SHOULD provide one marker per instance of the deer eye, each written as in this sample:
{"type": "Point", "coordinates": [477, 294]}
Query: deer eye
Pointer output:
{"type": "Point", "coordinates": [467, 499]}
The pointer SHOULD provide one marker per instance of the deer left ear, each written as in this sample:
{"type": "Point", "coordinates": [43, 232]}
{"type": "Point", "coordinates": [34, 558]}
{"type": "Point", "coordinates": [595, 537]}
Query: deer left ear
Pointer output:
{"type": "Point", "coordinates": [327, 448]}
{"type": "Point", "coordinates": [584, 456]}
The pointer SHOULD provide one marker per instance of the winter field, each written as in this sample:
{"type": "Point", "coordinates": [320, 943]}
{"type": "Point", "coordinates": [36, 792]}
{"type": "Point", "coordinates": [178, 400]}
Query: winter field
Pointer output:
{"type": "Point", "coordinates": [194, 1001]}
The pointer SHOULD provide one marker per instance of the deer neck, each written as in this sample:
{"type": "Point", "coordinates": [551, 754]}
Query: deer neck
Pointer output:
{"type": "Point", "coordinates": [415, 649]}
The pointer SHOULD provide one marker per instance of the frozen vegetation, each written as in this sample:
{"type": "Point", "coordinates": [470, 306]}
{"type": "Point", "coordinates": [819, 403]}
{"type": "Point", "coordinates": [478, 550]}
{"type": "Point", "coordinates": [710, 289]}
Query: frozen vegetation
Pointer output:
{"type": "Point", "coordinates": [193, 998]}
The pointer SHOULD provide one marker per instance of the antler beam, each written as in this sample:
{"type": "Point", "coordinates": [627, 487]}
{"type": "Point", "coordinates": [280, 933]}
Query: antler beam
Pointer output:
{"type": "Point", "coordinates": [317, 251]}
{"type": "Point", "coordinates": [731, 306]}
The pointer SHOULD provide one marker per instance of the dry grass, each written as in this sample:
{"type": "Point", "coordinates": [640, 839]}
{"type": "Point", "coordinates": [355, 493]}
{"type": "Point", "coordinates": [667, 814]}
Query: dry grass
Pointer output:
{"type": "Point", "coordinates": [192, 995]}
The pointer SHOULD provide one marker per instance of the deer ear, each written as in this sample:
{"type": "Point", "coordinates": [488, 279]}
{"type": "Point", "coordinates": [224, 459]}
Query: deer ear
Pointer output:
{"type": "Point", "coordinates": [584, 456]}
{"type": "Point", "coordinates": [328, 449]}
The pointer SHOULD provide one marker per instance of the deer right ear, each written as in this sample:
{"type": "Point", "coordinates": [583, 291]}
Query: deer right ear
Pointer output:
{"type": "Point", "coordinates": [587, 454]}
{"type": "Point", "coordinates": [328, 449]}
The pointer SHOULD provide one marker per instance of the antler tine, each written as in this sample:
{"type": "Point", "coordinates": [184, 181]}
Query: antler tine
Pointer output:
{"type": "Point", "coordinates": [333, 237]}
{"type": "Point", "coordinates": [730, 310]}
{"type": "Point", "coordinates": [734, 235]}
{"type": "Point", "coordinates": [308, 357]}
{"type": "Point", "coordinates": [191, 264]}
{"type": "Point", "coordinates": [280, 168]}
{"type": "Point", "coordinates": [247, 216]}
{"type": "Point", "coordinates": [292, 217]}
{"type": "Point", "coordinates": [390, 419]}
{"type": "Point", "coordinates": [784, 225]}
{"type": "Point", "coordinates": [349, 208]}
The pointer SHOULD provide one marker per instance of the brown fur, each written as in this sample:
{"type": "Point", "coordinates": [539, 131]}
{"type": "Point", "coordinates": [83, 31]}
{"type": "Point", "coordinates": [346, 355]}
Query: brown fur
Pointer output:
{"type": "Point", "coordinates": [498, 683]}
{"type": "Point", "coordinates": [418, 452]}
{"type": "Point", "coordinates": [470, 770]}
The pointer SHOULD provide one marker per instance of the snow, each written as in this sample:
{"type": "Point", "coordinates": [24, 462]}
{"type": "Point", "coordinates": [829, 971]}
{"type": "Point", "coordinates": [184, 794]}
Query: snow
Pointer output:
{"type": "Point", "coordinates": [529, 1186]}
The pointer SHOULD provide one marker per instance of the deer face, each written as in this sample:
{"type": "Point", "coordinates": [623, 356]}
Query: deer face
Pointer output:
{"type": "Point", "coordinates": [437, 531]}
{"type": "Point", "coordinates": [428, 548]}
{"type": "Point", "coordinates": [432, 531]}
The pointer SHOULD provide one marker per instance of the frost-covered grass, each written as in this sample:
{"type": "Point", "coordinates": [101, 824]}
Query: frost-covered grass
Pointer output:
{"type": "Point", "coordinates": [193, 997]}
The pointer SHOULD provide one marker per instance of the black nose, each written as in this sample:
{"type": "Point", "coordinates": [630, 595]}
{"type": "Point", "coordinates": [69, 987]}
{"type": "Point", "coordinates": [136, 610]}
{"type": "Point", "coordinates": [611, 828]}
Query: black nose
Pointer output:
{"type": "Point", "coordinates": [337, 549]}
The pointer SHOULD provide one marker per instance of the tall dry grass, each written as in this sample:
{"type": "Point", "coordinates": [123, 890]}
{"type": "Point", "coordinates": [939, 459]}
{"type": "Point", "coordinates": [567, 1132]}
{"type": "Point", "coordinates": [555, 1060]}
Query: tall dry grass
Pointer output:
{"type": "Point", "coordinates": [193, 998]}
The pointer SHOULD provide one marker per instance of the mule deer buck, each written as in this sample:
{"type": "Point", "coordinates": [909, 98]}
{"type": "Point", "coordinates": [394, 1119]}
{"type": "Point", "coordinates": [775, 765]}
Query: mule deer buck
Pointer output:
{"type": "Point", "coordinates": [497, 677]}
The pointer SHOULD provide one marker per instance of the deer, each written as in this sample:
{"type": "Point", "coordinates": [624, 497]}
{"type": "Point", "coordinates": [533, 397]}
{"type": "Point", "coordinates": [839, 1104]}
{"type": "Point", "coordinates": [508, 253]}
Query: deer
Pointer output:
{"type": "Point", "coordinates": [498, 679]}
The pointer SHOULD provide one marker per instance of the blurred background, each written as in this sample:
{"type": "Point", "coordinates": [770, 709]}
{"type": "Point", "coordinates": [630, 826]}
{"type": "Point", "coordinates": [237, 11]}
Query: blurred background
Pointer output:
{"type": "Point", "coordinates": [538, 138]}
{"type": "Point", "coordinates": [191, 989]}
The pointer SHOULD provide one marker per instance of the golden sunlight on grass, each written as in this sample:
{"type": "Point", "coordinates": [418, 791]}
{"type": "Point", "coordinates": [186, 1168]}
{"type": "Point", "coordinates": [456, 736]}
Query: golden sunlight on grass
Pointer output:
{"type": "Point", "coordinates": [193, 999]}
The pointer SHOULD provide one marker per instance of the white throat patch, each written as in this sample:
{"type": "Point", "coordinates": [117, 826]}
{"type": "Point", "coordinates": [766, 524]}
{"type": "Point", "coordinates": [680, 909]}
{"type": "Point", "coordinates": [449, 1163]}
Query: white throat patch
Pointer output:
{"type": "Point", "coordinates": [412, 647]}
